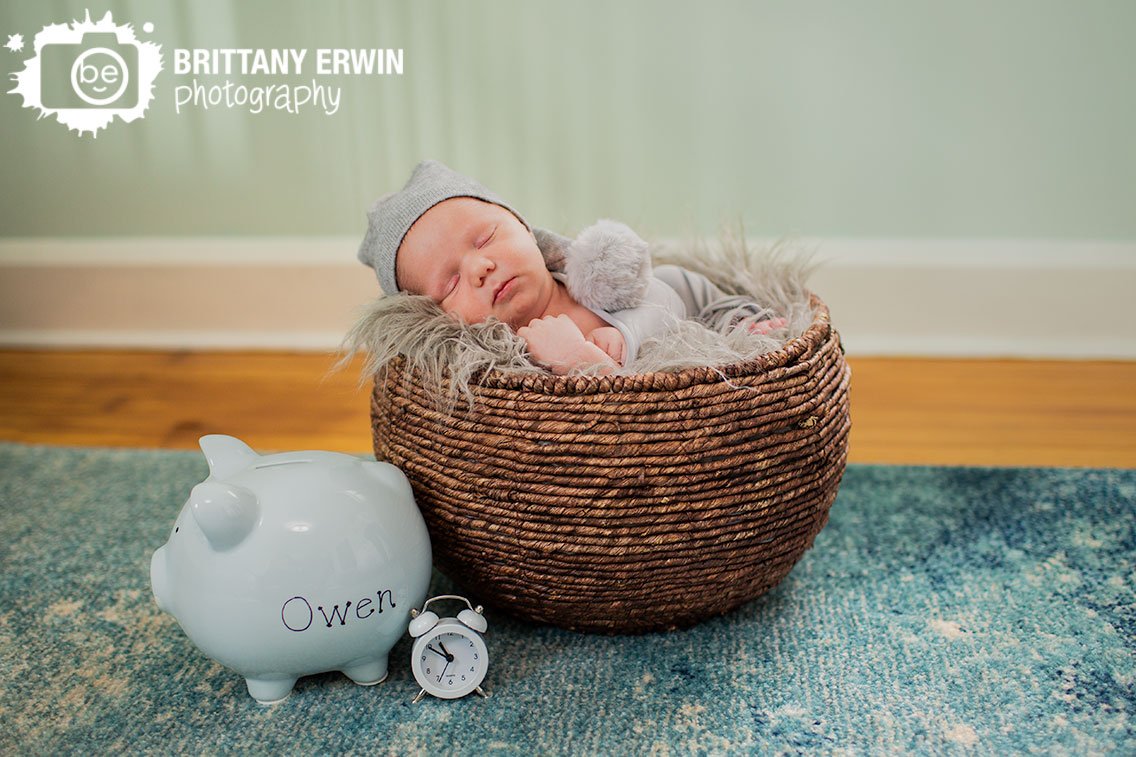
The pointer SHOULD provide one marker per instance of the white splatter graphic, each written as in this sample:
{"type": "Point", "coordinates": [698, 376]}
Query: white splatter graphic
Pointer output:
{"type": "Point", "coordinates": [81, 71]}
{"type": "Point", "coordinates": [15, 42]}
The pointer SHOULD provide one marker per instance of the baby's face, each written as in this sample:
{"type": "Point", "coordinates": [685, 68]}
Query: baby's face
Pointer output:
{"type": "Point", "coordinates": [462, 252]}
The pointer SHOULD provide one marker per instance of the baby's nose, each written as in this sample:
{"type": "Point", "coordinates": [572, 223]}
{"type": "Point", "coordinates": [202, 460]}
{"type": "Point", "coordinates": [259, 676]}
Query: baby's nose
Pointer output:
{"type": "Point", "coordinates": [482, 266]}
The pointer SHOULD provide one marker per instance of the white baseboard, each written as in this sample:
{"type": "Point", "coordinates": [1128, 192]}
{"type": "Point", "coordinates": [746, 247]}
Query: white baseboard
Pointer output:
{"type": "Point", "coordinates": [313, 341]}
{"type": "Point", "coordinates": [961, 298]}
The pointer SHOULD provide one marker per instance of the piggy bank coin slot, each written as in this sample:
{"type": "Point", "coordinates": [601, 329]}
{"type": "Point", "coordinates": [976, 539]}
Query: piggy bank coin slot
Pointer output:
{"type": "Point", "coordinates": [280, 462]}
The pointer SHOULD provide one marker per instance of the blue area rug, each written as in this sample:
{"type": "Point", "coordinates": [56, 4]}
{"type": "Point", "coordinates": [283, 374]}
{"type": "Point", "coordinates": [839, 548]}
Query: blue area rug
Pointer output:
{"type": "Point", "coordinates": [943, 610]}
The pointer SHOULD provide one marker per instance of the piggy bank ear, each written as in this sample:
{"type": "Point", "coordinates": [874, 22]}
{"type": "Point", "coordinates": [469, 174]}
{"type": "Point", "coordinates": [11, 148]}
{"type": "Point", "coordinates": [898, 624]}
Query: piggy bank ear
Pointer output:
{"type": "Point", "coordinates": [226, 513]}
{"type": "Point", "coordinates": [226, 454]}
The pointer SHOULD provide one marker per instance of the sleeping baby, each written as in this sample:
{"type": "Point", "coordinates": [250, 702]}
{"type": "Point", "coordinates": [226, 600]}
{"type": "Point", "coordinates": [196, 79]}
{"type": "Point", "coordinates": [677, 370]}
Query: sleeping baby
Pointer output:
{"type": "Point", "coordinates": [447, 237]}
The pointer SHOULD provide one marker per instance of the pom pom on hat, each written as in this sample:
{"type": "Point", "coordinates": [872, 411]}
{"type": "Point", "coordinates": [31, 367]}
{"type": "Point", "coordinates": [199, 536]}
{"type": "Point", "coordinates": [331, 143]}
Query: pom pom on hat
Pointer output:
{"type": "Point", "coordinates": [608, 267]}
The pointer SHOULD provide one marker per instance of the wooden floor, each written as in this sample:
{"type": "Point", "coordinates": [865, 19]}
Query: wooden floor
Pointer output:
{"type": "Point", "coordinates": [953, 412]}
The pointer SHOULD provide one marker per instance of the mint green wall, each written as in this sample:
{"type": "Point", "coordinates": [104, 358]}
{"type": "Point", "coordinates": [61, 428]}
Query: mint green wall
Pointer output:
{"type": "Point", "coordinates": [826, 118]}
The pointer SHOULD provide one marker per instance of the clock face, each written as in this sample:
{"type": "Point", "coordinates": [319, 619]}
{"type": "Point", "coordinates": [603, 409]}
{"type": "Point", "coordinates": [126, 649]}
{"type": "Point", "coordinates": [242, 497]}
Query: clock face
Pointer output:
{"type": "Point", "coordinates": [450, 663]}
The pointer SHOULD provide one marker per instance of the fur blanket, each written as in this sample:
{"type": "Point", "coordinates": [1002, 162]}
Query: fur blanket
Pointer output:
{"type": "Point", "coordinates": [437, 347]}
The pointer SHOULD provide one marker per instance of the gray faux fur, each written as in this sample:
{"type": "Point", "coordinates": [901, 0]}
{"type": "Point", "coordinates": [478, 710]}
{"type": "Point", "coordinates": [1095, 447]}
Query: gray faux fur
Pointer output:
{"type": "Point", "coordinates": [435, 345]}
{"type": "Point", "coordinates": [608, 267]}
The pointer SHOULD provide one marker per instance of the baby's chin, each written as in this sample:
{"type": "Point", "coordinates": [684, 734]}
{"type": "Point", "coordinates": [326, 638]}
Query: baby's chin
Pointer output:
{"type": "Point", "coordinates": [518, 311]}
{"type": "Point", "coordinates": [515, 321]}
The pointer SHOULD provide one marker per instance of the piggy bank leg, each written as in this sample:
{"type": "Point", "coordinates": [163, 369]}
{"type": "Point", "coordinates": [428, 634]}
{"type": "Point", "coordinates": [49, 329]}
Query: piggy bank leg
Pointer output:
{"type": "Point", "coordinates": [367, 672]}
{"type": "Point", "coordinates": [270, 690]}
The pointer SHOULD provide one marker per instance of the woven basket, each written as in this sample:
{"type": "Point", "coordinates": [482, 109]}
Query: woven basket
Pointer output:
{"type": "Point", "coordinates": [625, 504]}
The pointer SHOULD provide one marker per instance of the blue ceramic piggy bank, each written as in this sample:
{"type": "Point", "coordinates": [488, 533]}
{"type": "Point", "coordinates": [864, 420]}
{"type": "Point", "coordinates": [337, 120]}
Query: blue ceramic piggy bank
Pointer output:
{"type": "Point", "coordinates": [281, 566]}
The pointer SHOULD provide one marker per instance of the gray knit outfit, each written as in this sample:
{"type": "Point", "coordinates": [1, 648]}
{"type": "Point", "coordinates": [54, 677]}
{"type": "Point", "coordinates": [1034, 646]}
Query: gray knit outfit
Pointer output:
{"type": "Point", "coordinates": [676, 293]}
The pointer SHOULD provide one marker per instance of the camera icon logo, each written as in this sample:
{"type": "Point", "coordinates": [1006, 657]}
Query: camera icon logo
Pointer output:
{"type": "Point", "coordinates": [95, 73]}
{"type": "Point", "coordinates": [89, 73]}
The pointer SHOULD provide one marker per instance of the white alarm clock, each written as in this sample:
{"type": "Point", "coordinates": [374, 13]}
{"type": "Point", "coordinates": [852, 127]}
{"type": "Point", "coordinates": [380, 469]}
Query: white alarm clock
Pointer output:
{"type": "Point", "coordinates": [449, 658]}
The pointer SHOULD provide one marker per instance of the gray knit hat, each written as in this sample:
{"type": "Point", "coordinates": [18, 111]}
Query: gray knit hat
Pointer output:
{"type": "Point", "coordinates": [392, 215]}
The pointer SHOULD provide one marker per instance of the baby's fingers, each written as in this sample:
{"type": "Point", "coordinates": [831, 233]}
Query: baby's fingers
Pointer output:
{"type": "Point", "coordinates": [764, 327]}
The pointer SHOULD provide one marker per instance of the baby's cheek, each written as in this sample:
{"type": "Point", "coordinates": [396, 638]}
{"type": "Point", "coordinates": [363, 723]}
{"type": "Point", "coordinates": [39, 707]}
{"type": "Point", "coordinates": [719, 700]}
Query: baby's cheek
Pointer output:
{"type": "Point", "coordinates": [466, 311]}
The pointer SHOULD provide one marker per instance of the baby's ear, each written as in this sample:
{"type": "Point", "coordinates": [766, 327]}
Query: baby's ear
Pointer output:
{"type": "Point", "coordinates": [553, 247]}
{"type": "Point", "coordinates": [608, 267]}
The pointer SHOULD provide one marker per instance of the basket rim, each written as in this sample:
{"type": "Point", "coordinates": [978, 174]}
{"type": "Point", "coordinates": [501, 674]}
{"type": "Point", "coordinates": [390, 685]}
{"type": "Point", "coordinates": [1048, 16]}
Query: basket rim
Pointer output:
{"type": "Point", "coordinates": [808, 342]}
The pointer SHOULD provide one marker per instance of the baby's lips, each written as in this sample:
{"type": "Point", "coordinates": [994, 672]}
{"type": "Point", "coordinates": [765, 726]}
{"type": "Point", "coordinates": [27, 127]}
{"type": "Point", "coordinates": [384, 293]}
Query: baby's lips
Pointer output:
{"type": "Point", "coordinates": [501, 286]}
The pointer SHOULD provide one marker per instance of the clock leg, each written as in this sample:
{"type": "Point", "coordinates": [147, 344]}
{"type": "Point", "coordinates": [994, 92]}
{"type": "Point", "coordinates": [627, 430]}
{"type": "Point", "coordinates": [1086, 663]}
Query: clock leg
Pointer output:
{"type": "Point", "coordinates": [482, 692]}
{"type": "Point", "coordinates": [418, 698]}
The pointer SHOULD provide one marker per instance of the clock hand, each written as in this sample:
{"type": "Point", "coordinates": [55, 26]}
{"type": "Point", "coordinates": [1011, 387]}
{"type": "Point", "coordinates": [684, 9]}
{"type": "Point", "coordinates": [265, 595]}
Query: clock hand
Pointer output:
{"type": "Point", "coordinates": [444, 670]}
{"type": "Point", "coordinates": [449, 657]}
{"type": "Point", "coordinates": [435, 651]}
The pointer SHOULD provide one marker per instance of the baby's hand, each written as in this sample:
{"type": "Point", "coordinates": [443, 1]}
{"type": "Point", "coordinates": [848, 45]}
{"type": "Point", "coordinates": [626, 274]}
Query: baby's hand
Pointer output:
{"type": "Point", "coordinates": [556, 342]}
{"type": "Point", "coordinates": [610, 340]}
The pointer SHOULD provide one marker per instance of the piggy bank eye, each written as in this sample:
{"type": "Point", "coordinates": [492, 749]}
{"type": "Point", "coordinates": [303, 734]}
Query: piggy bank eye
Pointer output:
{"type": "Point", "coordinates": [176, 529]}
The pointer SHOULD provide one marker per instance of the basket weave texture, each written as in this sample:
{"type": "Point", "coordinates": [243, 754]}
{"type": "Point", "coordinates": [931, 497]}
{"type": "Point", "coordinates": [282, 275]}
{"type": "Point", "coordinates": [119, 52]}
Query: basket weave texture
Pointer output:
{"type": "Point", "coordinates": [626, 504]}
